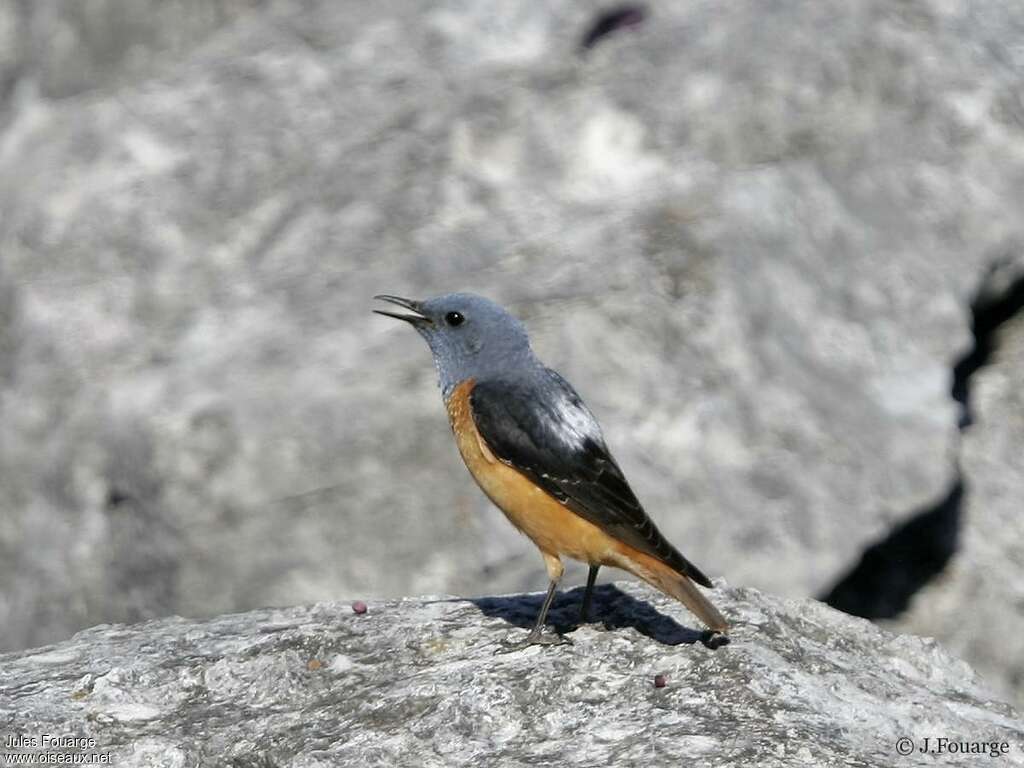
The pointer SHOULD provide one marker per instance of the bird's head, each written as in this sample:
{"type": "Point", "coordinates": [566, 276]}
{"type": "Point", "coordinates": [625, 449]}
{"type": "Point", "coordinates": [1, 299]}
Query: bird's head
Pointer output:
{"type": "Point", "coordinates": [469, 336]}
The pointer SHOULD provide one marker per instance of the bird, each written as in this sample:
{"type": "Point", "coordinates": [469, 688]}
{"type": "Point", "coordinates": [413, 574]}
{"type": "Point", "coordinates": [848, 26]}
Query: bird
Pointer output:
{"type": "Point", "coordinates": [538, 453]}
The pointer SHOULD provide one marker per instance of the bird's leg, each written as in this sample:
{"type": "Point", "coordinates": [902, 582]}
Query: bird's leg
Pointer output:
{"type": "Point", "coordinates": [589, 593]}
{"type": "Point", "coordinates": [537, 635]}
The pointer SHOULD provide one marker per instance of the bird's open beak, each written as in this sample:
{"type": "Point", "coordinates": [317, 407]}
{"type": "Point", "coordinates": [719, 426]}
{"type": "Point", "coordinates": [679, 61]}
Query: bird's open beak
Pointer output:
{"type": "Point", "coordinates": [417, 317]}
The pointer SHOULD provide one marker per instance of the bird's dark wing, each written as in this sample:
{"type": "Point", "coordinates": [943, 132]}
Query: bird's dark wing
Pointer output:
{"type": "Point", "coordinates": [542, 428]}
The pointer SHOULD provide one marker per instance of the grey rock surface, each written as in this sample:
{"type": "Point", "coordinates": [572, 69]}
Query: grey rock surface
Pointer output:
{"type": "Point", "coordinates": [58, 50]}
{"type": "Point", "coordinates": [976, 606]}
{"type": "Point", "coordinates": [417, 682]}
{"type": "Point", "coordinates": [747, 235]}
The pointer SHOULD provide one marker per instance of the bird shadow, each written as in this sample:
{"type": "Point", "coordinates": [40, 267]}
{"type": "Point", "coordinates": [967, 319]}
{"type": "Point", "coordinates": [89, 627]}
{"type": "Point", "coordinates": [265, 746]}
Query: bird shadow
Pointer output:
{"type": "Point", "coordinates": [610, 607]}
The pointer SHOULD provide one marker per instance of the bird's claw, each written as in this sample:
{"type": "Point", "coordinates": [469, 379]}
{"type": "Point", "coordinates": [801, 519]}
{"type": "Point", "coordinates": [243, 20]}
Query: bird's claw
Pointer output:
{"type": "Point", "coordinates": [510, 644]}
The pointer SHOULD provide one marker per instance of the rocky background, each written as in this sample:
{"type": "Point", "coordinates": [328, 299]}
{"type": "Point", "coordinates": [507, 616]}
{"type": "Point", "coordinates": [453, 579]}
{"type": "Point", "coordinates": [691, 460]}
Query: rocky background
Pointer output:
{"type": "Point", "coordinates": [779, 250]}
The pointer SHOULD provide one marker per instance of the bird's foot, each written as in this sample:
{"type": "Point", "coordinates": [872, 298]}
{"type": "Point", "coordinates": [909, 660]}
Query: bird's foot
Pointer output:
{"type": "Point", "coordinates": [714, 639]}
{"type": "Point", "coordinates": [511, 644]}
{"type": "Point", "coordinates": [595, 624]}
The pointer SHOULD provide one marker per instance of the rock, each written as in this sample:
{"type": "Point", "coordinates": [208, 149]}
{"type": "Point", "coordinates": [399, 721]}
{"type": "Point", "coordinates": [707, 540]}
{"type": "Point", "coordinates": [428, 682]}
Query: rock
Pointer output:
{"type": "Point", "coordinates": [417, 682]}
{"type": "Point", "coordinates": [750, 249]}
{"type": "Point", "coordinates": [62, 50]}
{"type": "Point", "coordinates": [975, 608]}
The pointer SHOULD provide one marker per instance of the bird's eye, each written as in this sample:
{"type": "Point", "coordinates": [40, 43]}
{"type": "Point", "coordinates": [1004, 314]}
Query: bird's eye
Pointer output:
{"type": "Point", "coordinates": [454, 319]}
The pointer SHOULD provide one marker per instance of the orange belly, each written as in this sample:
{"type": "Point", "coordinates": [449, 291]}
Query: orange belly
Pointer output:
{"type": "Point", "coordinates": [555, 529]}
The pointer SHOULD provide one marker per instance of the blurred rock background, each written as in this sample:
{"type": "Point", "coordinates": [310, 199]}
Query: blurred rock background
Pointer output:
{"type": "Point", "coordinates": [751, 235]}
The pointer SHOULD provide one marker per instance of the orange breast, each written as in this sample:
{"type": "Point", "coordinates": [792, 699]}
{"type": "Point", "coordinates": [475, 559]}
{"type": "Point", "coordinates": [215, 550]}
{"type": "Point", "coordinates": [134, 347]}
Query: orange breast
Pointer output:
{"type": "Point", "coordinates": [555, 529]}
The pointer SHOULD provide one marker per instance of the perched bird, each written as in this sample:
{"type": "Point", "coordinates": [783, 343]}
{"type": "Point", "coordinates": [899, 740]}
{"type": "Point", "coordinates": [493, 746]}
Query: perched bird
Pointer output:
{"type": "Point", "coordinates": [538, 453]}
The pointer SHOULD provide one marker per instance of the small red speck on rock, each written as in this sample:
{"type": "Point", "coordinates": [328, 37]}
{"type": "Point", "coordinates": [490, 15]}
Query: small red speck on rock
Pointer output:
{"type": "Point", "coordinates": [359, 607]}
{"type": "Point", "coordinates": [660, 681]}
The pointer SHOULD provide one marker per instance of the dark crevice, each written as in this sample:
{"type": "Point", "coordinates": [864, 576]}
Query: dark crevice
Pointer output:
{"type": "Point", "coordinates": [116, 497]}
{"type": "Point", "coordinates": [989, 311]}
{"type": "Point", "coordinates": [892, 570]}
{"type": "Point", "coordinates": [612, 20]}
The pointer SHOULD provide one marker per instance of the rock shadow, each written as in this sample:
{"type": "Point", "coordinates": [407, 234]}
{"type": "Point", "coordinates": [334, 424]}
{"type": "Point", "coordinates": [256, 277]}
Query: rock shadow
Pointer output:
{"type": "Point", "coordinates": [610, 607]}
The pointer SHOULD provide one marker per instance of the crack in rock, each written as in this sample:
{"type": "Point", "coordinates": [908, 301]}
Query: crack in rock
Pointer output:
{"type": "Point", "coordinates": [893, 570]}
{"type": "Point", "coordinates": [612, 21]}
{"type": "Point", "coordinates": [994, 305]}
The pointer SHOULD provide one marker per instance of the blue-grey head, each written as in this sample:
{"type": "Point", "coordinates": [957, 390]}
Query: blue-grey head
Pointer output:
{"type": "Point", "coordinates": [470, 337]}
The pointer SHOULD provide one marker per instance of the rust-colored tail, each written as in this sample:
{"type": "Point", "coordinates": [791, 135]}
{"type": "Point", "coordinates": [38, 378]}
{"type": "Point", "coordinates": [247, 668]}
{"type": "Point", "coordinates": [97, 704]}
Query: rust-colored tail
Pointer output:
{"type": "Point", "coordinates": [674, 584]}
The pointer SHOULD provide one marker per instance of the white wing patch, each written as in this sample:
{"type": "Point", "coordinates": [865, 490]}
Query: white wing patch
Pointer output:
{"type": "Point", "coordinates": [576, 424]}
